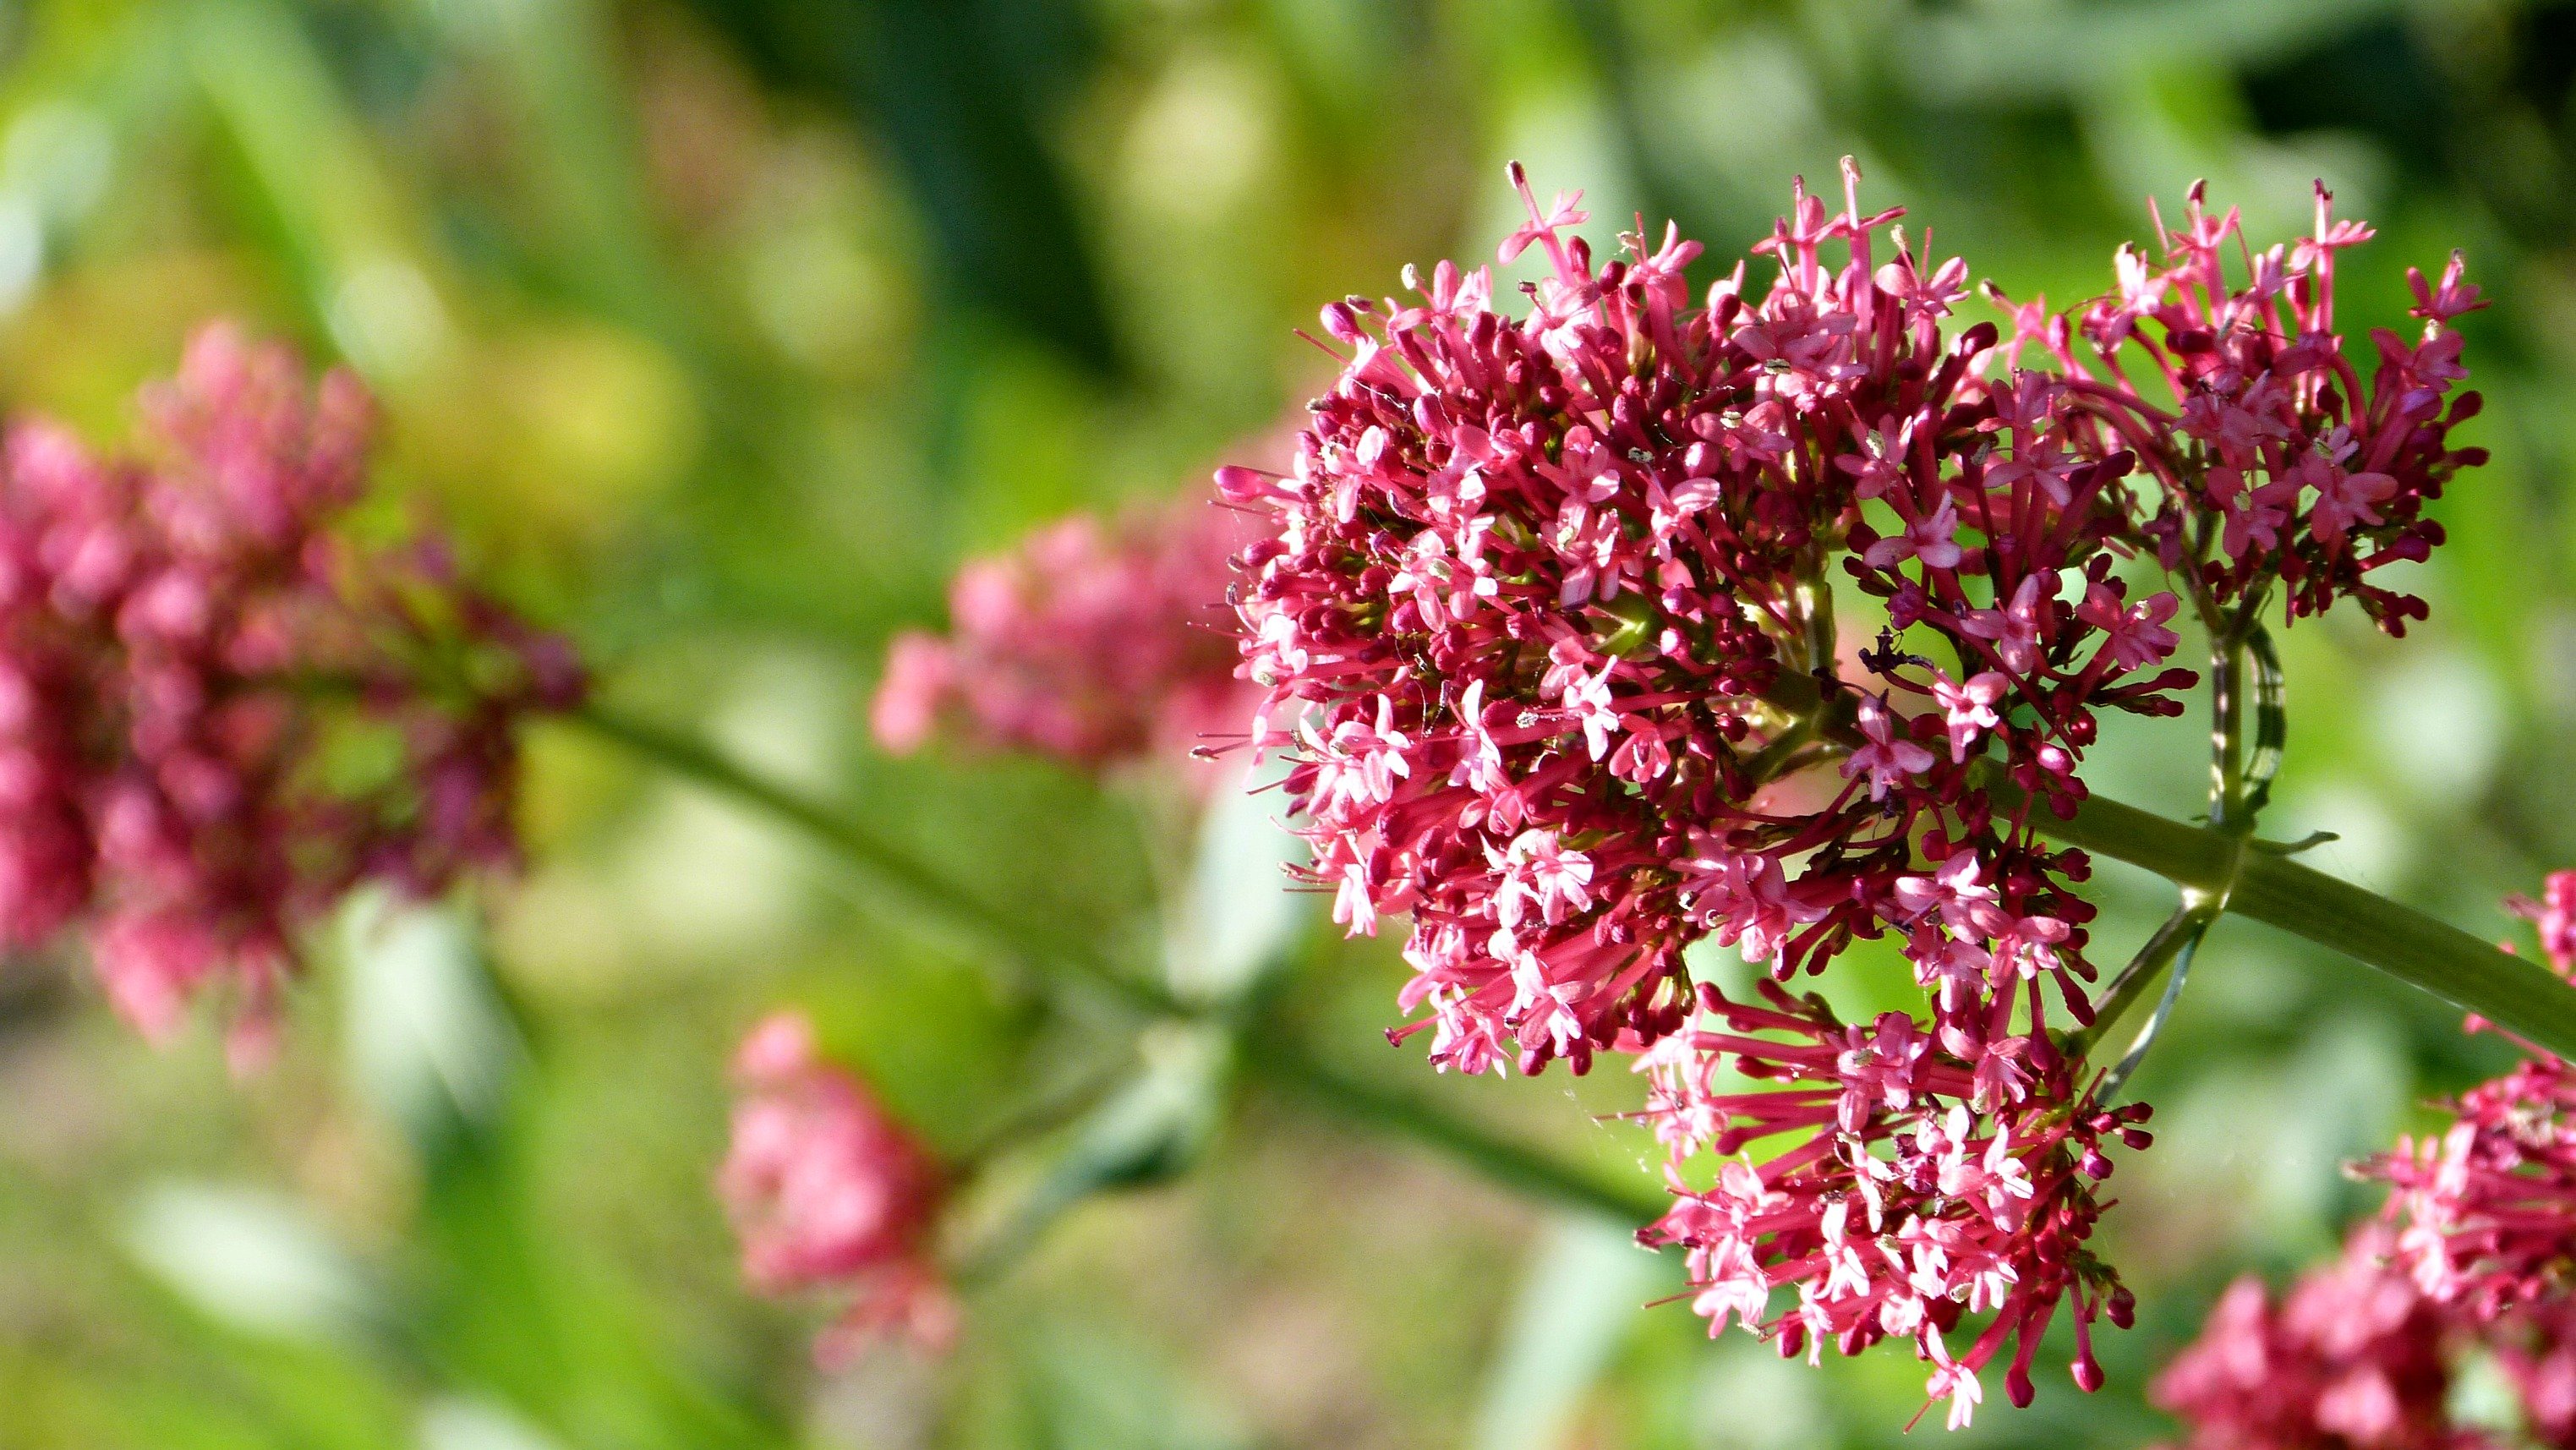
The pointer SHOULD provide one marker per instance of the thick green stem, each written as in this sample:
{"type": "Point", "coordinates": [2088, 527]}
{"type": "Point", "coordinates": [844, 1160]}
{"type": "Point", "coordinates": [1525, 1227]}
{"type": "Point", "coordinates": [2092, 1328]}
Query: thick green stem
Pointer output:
{"type": "Point", "coordinates": [2514, 993]}
{"type": "Point", "coordinates": [2508, 990]}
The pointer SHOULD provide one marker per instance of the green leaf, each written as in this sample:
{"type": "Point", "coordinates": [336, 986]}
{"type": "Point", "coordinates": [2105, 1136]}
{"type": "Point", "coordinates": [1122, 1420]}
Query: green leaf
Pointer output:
{"type": "Point", "coordinates": [1587, 1281]}
{"type": "Point", "coordinates": [1240, 920]}
{"type": "Point", "coordinates": [251, 1261]}
{"type": "Point", "coordinates": [429, 1042]}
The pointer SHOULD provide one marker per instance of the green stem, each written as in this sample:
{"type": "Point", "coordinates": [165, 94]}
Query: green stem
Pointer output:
{"type": "Point", "coordinates": [2132, 983]}
{"type": "Point", "coordinates": [890, 866]}
{"type": "Point", "coordinates": [1265, 1048]}
{"type": "Point", "coordinates": [2514, 993]}
{"type": "Point", "coordinates": [1287, 1065]}
{"type": "Point", "coordinates": [2510, 991]}
{"type": "Point", "coordinates": [2109, 1088]}
{"type": "Point", "coordinates": [2226, 734]}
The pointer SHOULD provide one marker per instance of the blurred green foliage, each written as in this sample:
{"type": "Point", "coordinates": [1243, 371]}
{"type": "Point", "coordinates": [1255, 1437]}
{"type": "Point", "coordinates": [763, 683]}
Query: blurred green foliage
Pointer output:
{"type": "Point", "coordinates": [722, 329]}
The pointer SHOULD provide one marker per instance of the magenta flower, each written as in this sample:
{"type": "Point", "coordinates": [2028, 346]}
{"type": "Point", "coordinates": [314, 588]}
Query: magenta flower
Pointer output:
{"type": "Point", "coordinates": [1098, 644]}
{"type": "Point", "coordinates": [186, 647]}
{"type": "Point", "coordinates": [1561, 576]}
{"type": "Point", "coordinates": [2487, 1207]}
{"type": "Point", "coordinates": [827, 1192]}
{"type": "Point", "coordinates": [1546, 572]}
{"type": "Point", "coordinates": [2353, 1357]}
{"type": "Point", "coordinates": [1926, 1188]}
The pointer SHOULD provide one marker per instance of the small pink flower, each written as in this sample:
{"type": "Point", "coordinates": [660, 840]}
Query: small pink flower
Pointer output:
{"type": "Point", "coordinates": [1747, 901]}
{"type": "Point", "coordinates": [2134, 636]}
{"type": "Point", "coordinates": [1095, 643]}
{"type": "Point", "coordinates": [1888, 759]}
{"type": "Point", "coordinates": [1539, 870]}
{"type": "Point", "coordinates": [1968, 710]}
{"type": "Point", "coordinates": [2019, 629]}
{"type": "Point", "coordinates": [1542, 227]}
{"type": "Point", "coordinates": [1361, 762]}
{"type": "Point", "coordinates": [2343, 499]}
{"type": "Point", "coordinates": [1928, 538]}
{"type": "Point", "coordinates": [2452, 298]}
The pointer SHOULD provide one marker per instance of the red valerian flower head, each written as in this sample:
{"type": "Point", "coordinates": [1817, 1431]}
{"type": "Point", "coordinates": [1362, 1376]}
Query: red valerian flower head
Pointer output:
{"type": "Point", "coordinates": [1548, 639]}
{"type": "Point", "coordinates": [1101, 644]}
{"type": "Point", "coordinates": [829, 1193]}
{"type": "Point", "coordinates": [1907, 1189]}
{"type": "Point", "coordinates": [2315, 480]}
{"type": "Point", "coordinates": [191, 657]}
{"type": "Point", "coordinates": [1561, 577]}
{"type": "Point", "coordinates": [2353, 1357]}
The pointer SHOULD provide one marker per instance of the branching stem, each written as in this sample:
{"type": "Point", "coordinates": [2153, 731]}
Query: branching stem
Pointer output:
{"type": "Point", "coordinates": [1267, 1049]}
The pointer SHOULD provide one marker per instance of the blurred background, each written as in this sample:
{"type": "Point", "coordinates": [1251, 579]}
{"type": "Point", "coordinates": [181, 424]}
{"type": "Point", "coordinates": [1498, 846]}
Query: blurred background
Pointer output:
{"type": "Point", "coordinates": [722, 331]}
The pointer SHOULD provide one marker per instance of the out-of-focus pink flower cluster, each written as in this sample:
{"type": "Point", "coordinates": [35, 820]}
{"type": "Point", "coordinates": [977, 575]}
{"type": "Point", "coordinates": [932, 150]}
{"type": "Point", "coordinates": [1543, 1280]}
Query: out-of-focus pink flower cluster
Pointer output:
{"type": "Point", "coordinates": [2354, 1356]}
{"type": "Point", "coordinates": [1546, 630]}
{"type": "Point", "coordinates": [2475, 1255]}
{"type": "Point", "coordinates": [216, 714]}
{"type": "Point", "coordinates": [829, 1193]}
{"type": "Point", "coordinates": [1101, 644]}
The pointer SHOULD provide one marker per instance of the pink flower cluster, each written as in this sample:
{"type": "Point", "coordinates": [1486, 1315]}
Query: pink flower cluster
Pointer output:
{"type": "Point", "coordinates": [1098, 644]}
{"type": "Point", "coordinates": [2354, 1356]}
{"type": "Point", "coordinates": [828, 1192]}
{"type": "Point", "coordinates": [216, 715]}
{"type": "Point", "coordinates": [2359, 1356]}
{"type": "Point", "coordinates": [2489, 1205]}
{"type": "Point", "coordinates": [1547, 630]}
{"type": "Point", "coordinates": [1914, 1187]}
{"type": "Point", "coordinates": [2474, 1255]}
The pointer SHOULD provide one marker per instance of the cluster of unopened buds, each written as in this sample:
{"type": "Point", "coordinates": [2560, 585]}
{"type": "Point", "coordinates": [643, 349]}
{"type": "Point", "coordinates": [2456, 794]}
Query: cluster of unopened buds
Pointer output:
{"type": "Point", "coordinates": [218, 714]}
{"type": "Point", "coordinates": [1545, 620]}
{"type": "Point", "coordinates": [2475, 1256]}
